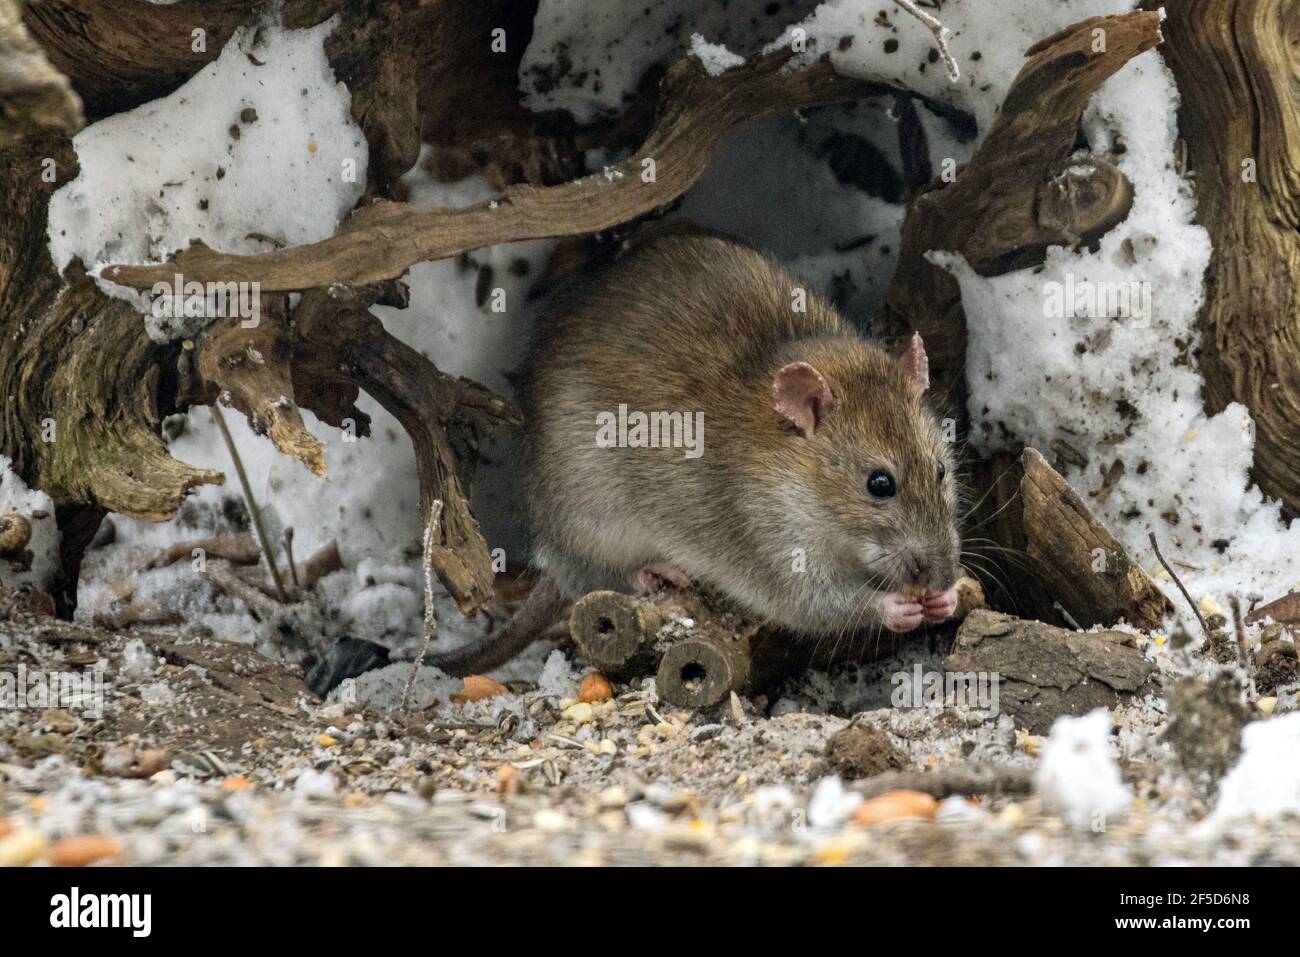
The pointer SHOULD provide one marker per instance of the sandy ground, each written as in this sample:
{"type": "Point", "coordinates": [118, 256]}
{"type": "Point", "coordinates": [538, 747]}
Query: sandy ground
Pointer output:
{"type": "Point", "coordinates": [206, 752]}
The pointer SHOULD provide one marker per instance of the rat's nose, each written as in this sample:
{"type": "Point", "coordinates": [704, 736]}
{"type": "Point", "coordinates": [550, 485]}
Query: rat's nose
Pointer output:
{"type": "Point", "coordinates": [917, 570]}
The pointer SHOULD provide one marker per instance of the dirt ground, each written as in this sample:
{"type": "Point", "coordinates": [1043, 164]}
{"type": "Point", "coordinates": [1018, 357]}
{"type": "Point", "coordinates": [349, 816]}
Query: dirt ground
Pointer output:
{"type": "Point", "coordinates": [207, 752]}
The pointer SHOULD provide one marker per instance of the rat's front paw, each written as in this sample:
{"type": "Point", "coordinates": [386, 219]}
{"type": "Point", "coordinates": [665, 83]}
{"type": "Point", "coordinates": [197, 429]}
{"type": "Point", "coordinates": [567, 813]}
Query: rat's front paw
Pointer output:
{"type": "Point", "coordinates": [901, 612]}
{"type": "Point", "coordinates": [939, 605]}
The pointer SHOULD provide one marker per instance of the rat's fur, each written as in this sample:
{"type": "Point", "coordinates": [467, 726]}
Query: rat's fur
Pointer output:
{"type": "Point", "coordinates": [779, 521]}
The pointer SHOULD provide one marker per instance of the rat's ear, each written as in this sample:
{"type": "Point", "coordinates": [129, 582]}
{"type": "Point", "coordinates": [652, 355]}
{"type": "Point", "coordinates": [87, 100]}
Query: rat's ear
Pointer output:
{"type": "Point", "coordinates": [802, 396]}
{"type": "Point", "coordinates": [916, 364]}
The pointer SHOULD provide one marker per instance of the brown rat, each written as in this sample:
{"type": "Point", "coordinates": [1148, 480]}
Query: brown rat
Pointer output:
{"type": "Point", "coordinates": [808, 480]}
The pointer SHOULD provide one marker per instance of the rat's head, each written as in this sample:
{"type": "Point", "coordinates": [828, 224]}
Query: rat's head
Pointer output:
{"type": "Point", "coordinates": [870, 455]}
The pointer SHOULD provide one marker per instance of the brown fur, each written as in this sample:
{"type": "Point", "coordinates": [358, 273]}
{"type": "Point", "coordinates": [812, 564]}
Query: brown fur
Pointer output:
{"type": "Point", "coordinates": [691, 323]}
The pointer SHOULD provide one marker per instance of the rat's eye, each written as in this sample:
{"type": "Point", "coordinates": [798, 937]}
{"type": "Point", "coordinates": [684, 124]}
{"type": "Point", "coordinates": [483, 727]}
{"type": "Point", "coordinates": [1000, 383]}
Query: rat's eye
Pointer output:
{"type": "Point", "coordinates": [942, 471]}
{"type": "Point", "coordinates": [881, 484]}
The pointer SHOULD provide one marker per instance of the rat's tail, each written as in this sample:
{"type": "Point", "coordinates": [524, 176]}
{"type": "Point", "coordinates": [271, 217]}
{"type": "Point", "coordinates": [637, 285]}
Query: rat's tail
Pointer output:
{"type": "Point", "coordinates": [542, 606]}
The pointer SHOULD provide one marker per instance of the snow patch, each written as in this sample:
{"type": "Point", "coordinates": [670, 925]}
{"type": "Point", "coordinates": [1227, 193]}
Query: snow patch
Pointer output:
{"type": "Point", "coordinates": [1077, 777]}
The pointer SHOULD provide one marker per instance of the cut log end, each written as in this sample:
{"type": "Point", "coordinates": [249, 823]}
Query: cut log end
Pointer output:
{"type": "Point", "coordinates": [616, 632]}
{"type": "Point", "coordinates": [703, 671]}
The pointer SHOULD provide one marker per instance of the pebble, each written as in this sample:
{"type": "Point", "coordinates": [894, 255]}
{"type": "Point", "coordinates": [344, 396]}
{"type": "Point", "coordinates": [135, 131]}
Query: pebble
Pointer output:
{"type": "Point", "coordinates": [550, 820]}
{"type": "Point", "coordinates": [315, 784]}
{"type": "Point", "coordinates": [579, 713]}
{"type": "Point", "coordinates": [614, 796]}
{"type": "Point", "coordinates": [56, 719]}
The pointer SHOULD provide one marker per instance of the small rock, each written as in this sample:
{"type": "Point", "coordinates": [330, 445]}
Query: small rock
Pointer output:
{"type": "Point", "coordinates": [548, 819]}
{"type": "Point", "coordinates": [580, 713]}
{"type": "Point", "coordinates": [152, 760]}
{"type": "Point", "coordinates": [315, 784]}
{"type": "Point", "coordinates": [862, 751]}
{"type": "Point", "coordinates": [830, 805]}
{"type": "Point", "coordinates": [56, 719]}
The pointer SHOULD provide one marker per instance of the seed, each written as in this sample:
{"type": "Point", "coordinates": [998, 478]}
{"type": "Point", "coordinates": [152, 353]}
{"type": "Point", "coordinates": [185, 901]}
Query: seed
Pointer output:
{"type": "Point", "coordinates": [894, 806]}
{"type": "Point", "coordinates": [82, 850]}
{"type": "Point", "coordinates": [479, 688]}
{"type": "Point", "coordinates": [595, 688]}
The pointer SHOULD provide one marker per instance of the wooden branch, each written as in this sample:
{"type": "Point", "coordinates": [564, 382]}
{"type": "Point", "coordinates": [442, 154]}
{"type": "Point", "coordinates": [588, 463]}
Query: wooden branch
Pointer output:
{"type": "Point", "coordinates": [339, 343]}
{"type": "Point", "coordinates": [1236, 62]}
{"type": "Point", "coordinates": [700, 654]}
{"type": "Point", "coordinates": [249, 370]}
{"type": "Point", "coordinates": [238, 549]}
{"type": "Point", "coordinates": [1083, 564]}
{"type": "Point", "coordinates": [1020, 193]}
{"type": "Point", "coordinates": [381, 241]}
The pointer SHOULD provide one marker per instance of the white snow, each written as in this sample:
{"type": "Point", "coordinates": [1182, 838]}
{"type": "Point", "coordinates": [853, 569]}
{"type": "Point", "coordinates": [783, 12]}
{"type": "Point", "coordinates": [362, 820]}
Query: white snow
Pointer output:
{"type": "Point", "coordinates": [715, 58]}
{"type": "Point", "coordinates": [1266, 780]}
{"type": "Point", "coordinates": [1077, 776]}
{"type": "Point", "coordinates": [558, 677]}
{"type": "Point", "coordinates": [245, 157]}
{"type": "Point", "coordinates": [137, 660]}
{"type": "Point", "coordinates": [831, 804]}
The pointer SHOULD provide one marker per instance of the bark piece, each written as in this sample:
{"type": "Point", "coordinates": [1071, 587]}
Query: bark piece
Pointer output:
{"type": "Point", "coordinates": [1045, 671]}
{"type": "Point", "coordinates": [1082, 563]}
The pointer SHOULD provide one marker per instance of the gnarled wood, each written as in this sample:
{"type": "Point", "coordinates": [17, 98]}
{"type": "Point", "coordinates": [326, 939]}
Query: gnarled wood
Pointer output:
{"type": "Point", "coordinates": [1237, 64]}
{"type": "Point", "coordinates": [339, 346]}
{"type": "Point", "coordinates": [1019, 194]}
{"type": "Point", "coordinates": [82, 379]}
